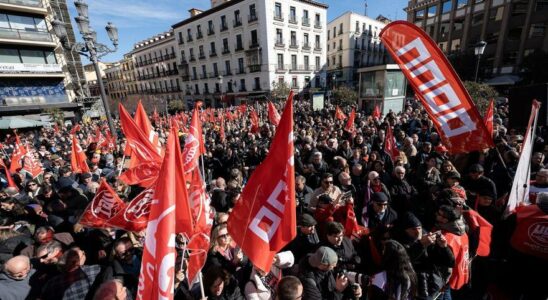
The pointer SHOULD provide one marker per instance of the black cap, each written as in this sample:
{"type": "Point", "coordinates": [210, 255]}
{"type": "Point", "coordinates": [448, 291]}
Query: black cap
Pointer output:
{"type": "Point", "coordinates": [409, 220]}
{"type": "Point", "coordinates": [476, 168]}
{"type": "Point", "coordinates": [307, 220]}
{"type": "Point", "coordinates": [379, 197]}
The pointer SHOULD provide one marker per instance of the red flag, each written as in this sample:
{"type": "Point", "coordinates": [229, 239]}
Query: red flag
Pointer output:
{"type": "Point", "coordinates": [377, 112]}
{"type": "Point", "coordinates": [222, 133]}
{"type": "Point", "coordinates": [273, 115]}
{"type": "Point", "coordinates": [155, 115]}
{"type": "Point", "coordinates": [144, 174]}
{"type": "Point", "coordinates": [74, 129]}
{"type": "Point", "coordinates": [390, 144]}
{"type": "Point", "coordinates": [242, 108]}
{"type": "Point", "coordinates": [18, 152]}
{"type": "Point", "coordinates": [263, 221]}
{"type": "Point", "coordinates": [339, 115]}
{"type": "Point", "coordinates": [254, 121]}
{"type": "Point", "coordinates": [194, 143]}
{"type": "Point", "coordinates": [11, 183]}
{"type": "Point", "coordinates": [198, 247]}
{"type": "Point", "coordinates": [488, 118]}
{"type": "Point", "coordinates": [351, 225]}
{"type": "Point", "coordinates": [168, 210]}
{"type": "Point", "coordinates": [439, 88]}
{"type": "Point", "coordinates": [350, 124]}
{"type": "Point", "coordinates": [78, 158]}
{"type": "Point", "coordinates": [134, 216]}
{"type": "Point", "coordinates": [104, 206]}
{"type": "Point", "coordinates": [31, 165]}
{"type": "Point", "coordinates": [478, 224]}
{"type": "Point", "coordinates": [55, 127]}
{"type": "Point", "coordinates": [142, 121]}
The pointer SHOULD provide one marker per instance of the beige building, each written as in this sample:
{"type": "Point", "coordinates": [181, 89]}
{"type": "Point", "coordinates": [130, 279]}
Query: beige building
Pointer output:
{"type": "Point", "coordinates": [36, 73]}
{"type": "Point", "coordinates": [91, 77]}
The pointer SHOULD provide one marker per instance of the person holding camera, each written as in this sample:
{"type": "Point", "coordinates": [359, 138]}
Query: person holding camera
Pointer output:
{"type": "Point", "coordinates": [321, 281]}
{"type": "Point", "coordinates": [342, 245]}
{"type": "Point", "coordinates": [428, 253]}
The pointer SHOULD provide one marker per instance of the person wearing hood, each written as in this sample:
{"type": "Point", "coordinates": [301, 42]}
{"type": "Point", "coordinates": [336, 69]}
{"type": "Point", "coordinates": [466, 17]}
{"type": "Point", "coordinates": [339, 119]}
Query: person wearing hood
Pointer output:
{"type": "Point", "coordinates": [452, 228]}
{"type": "Point", "coordinates": [262, 285]}
{"type": "Point", "coordinates": [15, 279]}
{"type": "Point", "coordinates": [428, 253]}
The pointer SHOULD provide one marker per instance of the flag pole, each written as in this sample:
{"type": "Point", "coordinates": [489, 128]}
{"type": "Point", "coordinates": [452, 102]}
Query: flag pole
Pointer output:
{"type": "Point", "coordinates": [201, 284]}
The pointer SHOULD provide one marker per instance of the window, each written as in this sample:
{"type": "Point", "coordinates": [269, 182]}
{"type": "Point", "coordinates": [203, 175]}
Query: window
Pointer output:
{"type": "Point", "coordinates": [240, 65]}
{"type": "Point", "coordinates": [293, 39]}
{"type": "Point", "coordinates": [223, 23]}
{"type": "Point", "coordinates": [340, 60]}
{"type": "Point", "coordinates": [237, 19]}
{"type": "Point", "coordinates": [212, 48]}
{"type": "Point", "coordinates": [317, 63]}
{"type": "Point", "coordinates": [215, 69]}
{"type": "Point", "coordinates": [280, 61]}
{"type": "Point", "coordinates": [334, 31]}
{"type": "Point", "coordinates": [201, 51]}
{"type": "Point", "coordinates": [305, 40]}
{"type": "Point", "coordinates": [446, 6]}
{"type": "Point", "coordinates": [206, 88]}
{"type": "Point", "coordinates": [198, 31]}
{"type": "Point", "coordinates": [328, 34]}
{"type": "Point", "coordinates": [317, 42]}
{"type": "Point", "coordinates": [242, 85]}
{"type": "Point", "coordinates": [461, 3]}
{"type": "Point", "coordinates": [278, 11]}
{"type": "Point", "coordinates": [317, 21]}
{"type": "Point", "coordinates": [477, 19]}
{"type": "Point", "coordinates": [32, 56]}
{"type": "Point", "coordinates": [341, 28]}
{"type": "Point", "coordinates": [194, 73]}
{"type": "Point", "coordinates": [294, 82]}
{"type": "Point", "coordinates": [292, 14]}
{"type": "Point", "coordinates": [431, 11]}
{"type": "Point", "coordinates": [204, 71]}
{"type": "Point", "coordinates": [357, 26]}
{"type": "Point", "coordinates": [254, 39]}
{"type": "Point", "coordinates": [293, 62]}
{"type": "Point", "coordinates": [306, 62]}
{"type": "Point", "coordinates": [537, 30]}
{"type": "Point", "coordinates": [210, 29]}
{"type": "Point", "coordinates": [252, 12]}
{"type": "Point", "coordinates": [228, 70]}
{"type": "Point", "coordinates": [306, 20]}
{"type": "Point", "coordinates": [239, 45]}
{"type": "Point", "coordinates": [9, 56]}
{"type": "Point", "coordinates": [257, 83]}
{"type": "Point", "coordinates": [279, 37]}
{"type": "Point", "coordinates": [225, 45]}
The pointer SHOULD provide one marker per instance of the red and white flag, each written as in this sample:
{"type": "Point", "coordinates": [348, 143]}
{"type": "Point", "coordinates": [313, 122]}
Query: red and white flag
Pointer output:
{"type": "Point", "coordinates": [104, 206]}
{"type": "Point", "coordinates": [339, 115]}
{"type": "Point", "coordinates": [78, 159]}
{"type": "Point", "coordinates": [390, 143]}
{"type": "Point", "coordinates": [134, 216]}
{"type": "Point", "coordinates": [31, 165]}
{"type": "Point", "coordinates": [519, 194]}
{"type": "Point", "coordinates": [263, 221]}
{"type": "Point", "coordinates": [18, 152]}
{"type": "Point", "coordinates": [438, 86]}
{"type": "Point", "coordinates": [350, 127]}
{"type": "Point", "coordinates": [194, 143]}
{"type": "Point", "coordinates": [273, 115]}
{"type": "Point", "coordinates": [488, 118]}
{"type": "Point", "coordinates": [169, 209]}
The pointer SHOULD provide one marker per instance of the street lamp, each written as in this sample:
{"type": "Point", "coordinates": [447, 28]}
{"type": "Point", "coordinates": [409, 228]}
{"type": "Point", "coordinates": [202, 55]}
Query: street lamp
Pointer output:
{"type": "Point", "coordinates": [334, 78]}
{"type": "Point", "coordinates": [90, 48]}
{"type": "Point", "coordinates": [220, 81]}
{"type": "Point", "coordinates": [478, 50]}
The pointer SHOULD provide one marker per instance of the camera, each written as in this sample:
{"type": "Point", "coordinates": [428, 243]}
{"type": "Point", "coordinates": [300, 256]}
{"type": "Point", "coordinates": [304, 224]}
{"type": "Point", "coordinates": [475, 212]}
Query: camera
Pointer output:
{"type": "Point", "coordinates": [357, 278]}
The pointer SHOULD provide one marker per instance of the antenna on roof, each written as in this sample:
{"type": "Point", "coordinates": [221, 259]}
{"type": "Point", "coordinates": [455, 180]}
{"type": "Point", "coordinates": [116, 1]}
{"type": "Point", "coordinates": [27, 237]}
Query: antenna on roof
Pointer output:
{"type": "Point", "coordinates": [365, 11]}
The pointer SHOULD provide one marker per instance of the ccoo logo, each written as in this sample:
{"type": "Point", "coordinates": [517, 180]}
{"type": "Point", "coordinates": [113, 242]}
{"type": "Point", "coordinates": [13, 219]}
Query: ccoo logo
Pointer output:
{"type": "Point", "coordinates": [538, 232]}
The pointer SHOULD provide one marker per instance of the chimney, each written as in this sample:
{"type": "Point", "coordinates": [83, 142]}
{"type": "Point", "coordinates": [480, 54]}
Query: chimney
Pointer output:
{"type": "Point", "coordinates": [194, 12]}
{"type": "Point", "coordinates": [217, 2]}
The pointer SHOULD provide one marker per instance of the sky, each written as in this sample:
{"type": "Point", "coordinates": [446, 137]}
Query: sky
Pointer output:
{"type": "Point", "coordinates": [141, 19]}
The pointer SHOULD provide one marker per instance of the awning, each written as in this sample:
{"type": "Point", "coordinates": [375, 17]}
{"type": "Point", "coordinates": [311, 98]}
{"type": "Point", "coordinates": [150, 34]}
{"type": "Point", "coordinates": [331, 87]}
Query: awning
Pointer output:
{"type": "Point", "coordinates": [503, 80]}
{"type": "Point", "coordinates": [20, 122]}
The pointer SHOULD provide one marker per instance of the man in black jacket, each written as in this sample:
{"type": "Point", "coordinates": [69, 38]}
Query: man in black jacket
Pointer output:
{"type": "Point", "coordinates": [378, 212]}
{"type": "Point", "coordinates": [125, 265]}
{"type": "Point", "coordinates": [428, 254]}
{"type": "Point", "coordinates": [342, 245]}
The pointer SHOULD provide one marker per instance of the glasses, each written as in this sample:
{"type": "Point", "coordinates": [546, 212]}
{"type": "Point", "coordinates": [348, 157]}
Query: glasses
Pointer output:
{"type": "Point", "coordinates": [223, 236]}
{"type": "Point", "coordinates": [381, 204]}
{"type": "Point", "coordinates": [328, 181]}
{"type": "Point", "coordinates": [43, 256]}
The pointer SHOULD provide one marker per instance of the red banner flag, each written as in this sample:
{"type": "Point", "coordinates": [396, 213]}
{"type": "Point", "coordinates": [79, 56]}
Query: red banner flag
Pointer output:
{"type": "Point", "coordinates": [168, 210]}
{"type": "Point", "coordinates": [78, 158]}
{"type": "Point", "coordinates": [18, 152]}
{"type": "Point", "coordinates": [134, 216]}
{"type": "Point", "coordinates": [141, 119]}
{"type": "Point", "coordinates": [339, 115]}
{"type": "Point", "coordinates": [350, 123]}
{"type": "Point", "coordinates": [273, 115]}
{"type": "Point", "coordinates": [482, 228]}
{"type": "Point", "coordinates": [194, 143]}
{"type": "Point", "coordinates": [31, 165]}
{"type": "Point", "coordinates": [390, 144]}
{"type": "Point", "coordinates": [254, 121]}
{"type": "Point", "coordinates": [104, 206]}
{"type": "Point", "coordinates": [75, 129]}
{"type": "Point", "coordinates": [377, 112]}
{"type": "Point", "coordinates": [263, 221]}
{"type": "Point", "coordinates": [488, 118]}
{"type": "Point", "coordinates": [439, 88]}
{"type": "Point", "coordinates": [198, 247]}
{"type": "Point", "coordinates": [11, 183]}
{"type": "Point", "coordinates": [222, 133]}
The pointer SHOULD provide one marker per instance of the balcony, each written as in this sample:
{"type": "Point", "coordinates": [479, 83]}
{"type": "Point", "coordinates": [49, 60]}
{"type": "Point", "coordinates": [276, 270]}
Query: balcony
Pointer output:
{"type": "Point", "coordinates": [181, 41]}
{"type": "Point", "coordinates": [279, 43]}
{"type": "Point", "coordinates": [242, 89]}
{"type": "Point", "coordinates": [294, 45]}
{"type": "Point", "coordinates": [306, 46]}
{"type": "Point", "coordinates": [211, 31]}
{"type": "Point", "coordinates": [213, 75]}
{"type": "Point", "coordinates": [318, 25]}
{"type": "Point", "coordinates": [203, 76]}
{"type": "Point", "coordinates": [199, 35]}
{"type": "Point", "coordinates": [189, 38]}
{"type": "Point", "coordinates": [227, 73]}
{"type": "Point", "coordinates": [293, 19]}
{"type": "Point", "coordinates": [300, 69]}
{"type": "Point", "coordinates": [252, 18]}
{"type": "Point", "coordinates": [281, 68]}
{"type": "Point", "coordinates": [225, 51]}
{"type": "Point", "coordinates": [278, 17]}
{"type": "Point", "coordinates": [306, 22]}
{"type": "Point", "coordinates": [257, 88]}
{"type": "Point", "coordinates": [30, 6]}
{"type": "Point", "coordinates": [186, 78]}
{"type": "Point", "coordinates": [237, 22]}
{"type": "Point", "coordinates": [212, 53]}
{"type": "Point", "coordinates": [254, 68]}
{"type": "Point", "coordinates": [240, 71]}
{"type": "Point", "coordinates": [224, 27]}
{"type": "Point", "coordinates": [25, 35]}
{"type": "Point", "coordinates": [253, 44]}
{"type": "Point", "coordinates": [192, 58]}
{"type": "Point", "coordinates": [239, 47]}
{"type": "Point", "coordinates": [202, 56]}
{"type": "Point", "coordinates": [317, 47]}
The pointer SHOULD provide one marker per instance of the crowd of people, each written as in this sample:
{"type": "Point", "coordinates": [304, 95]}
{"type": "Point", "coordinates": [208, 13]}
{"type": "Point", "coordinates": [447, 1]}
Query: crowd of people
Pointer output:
{"type": "Point", "coordinates": [416, 239]}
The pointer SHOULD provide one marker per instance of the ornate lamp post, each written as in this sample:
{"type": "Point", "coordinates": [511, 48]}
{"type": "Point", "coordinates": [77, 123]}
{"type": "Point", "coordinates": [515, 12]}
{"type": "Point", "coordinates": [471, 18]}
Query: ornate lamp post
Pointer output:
{"type": "Point", "coordinates": [90, 48]}
{"type": "Point", "coordinates": [478, 50]}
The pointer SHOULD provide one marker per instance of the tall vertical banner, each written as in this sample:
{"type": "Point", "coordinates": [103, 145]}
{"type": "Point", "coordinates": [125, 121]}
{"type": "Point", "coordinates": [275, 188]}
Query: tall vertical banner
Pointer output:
{"type": "Point", "coordinates": [438, 87]}
{"type": "Point", "coordinates": [519, 194]}
{"type": "Point", "coordinates": [264, 219]}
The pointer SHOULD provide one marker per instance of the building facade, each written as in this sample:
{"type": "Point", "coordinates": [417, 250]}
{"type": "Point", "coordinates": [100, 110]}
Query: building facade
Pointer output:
{"type": "Point", "coordinates": [151, 71]}
{"type": "Point", "coordinates": [513, 30]}
{"type": "Point", "coordinates": [353, 42]}
{"type": "Point", "coordinates": [91, 77]}
{"type": "Point", "coordinates": [239, 49]}
{"type": "Point", "coordinates": [36, 72]}
{"type": "Point", "coordinates": [115, 85]}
